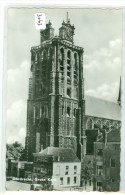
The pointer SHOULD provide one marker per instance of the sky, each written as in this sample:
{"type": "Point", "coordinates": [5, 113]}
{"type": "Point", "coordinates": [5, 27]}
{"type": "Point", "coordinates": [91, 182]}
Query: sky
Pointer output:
{"type": "Point", "coordinates": [98, 31]}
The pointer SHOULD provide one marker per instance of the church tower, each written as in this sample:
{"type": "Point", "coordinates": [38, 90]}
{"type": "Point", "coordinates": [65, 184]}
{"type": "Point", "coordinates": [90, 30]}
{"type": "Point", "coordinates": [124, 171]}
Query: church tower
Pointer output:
{"type": "Point", "coordinates": [56, 105]}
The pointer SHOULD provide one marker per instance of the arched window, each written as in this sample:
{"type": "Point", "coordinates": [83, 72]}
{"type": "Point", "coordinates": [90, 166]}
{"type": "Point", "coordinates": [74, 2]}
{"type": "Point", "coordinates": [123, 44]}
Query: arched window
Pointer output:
{"type": "Point", "coordinates": [68, 111]}
{"type": "Point", "coordinates": [98, 124]}
{"type": "Point", "coordinates": [69, 92]}
{"type": "Point", "coordinates": [106, 125]}
{"type": "Point", "coordinates": [36, 57]}
{"type": "Point", "coordinates": [89, 124]}
{"type": "Point", "coordinates": [62, 60]}
{"type": "Point", "coordinates": [37, 111]}
{"type": "Point", "coordinates": [75, 68]}
{"type": "Point", "coordinates": [68, 66]}
{"type": "Point", "coordinates": [74, 114]}
{"type": "Point", "coordinates": [32, 56]}
{"type": "Point", "coordinates": [115, 125]}
{"type": "Point", "coordinates": [68, 54]}
{"type": "Point", "coordinates": [62, 110]}
{"type": "Point", "coordinates": [119, 124]}
{"type": "Point", "coordinates": [75, 62]}
{"type": "Point", "coordinates": [41, 55]}
{"type": "Point", "coordinates": [43, 109]}
{"type": "Point", "coordinates": [44, 54]}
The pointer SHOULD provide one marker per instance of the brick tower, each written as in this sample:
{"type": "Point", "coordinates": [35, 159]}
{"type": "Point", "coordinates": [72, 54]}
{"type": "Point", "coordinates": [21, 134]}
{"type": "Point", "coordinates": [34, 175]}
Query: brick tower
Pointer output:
{"type": "Point", "coordinates": [56, 105]}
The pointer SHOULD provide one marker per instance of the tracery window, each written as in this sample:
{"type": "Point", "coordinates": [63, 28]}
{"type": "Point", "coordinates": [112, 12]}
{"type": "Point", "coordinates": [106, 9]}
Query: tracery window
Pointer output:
{"type": "Point", "coordinates": [62, 60]}
{"type": "Point", "coordinates": [68, 111]}
{"type": "Point", "coordinates": [75, 68]}
{"type": "Point", "coordinates": [98, 124]}
{"type": "Point", "coordinates": [89, 124]}
{"type": "Point", "coordinates": [69, 92]}
{"type": "Point", "coordinates": [68, 66]}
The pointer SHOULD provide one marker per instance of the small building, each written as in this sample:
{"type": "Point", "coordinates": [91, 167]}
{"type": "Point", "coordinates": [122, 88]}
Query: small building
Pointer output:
{"type": "Point", "coordinates": [58, 165]}
{"type": "Point", "coordinates": [107, 161]}
{"type": "Point", "coordinates": [20, 169]}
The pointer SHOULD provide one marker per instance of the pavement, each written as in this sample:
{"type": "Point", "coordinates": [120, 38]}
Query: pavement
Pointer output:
{"type": "Point", "coordinates": [20, 186]}
{"type": "Point", "coordinates": [16, 186]}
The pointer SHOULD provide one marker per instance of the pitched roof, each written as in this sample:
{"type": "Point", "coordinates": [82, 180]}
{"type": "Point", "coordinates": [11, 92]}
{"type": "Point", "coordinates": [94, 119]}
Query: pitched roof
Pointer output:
{"type": "Point", "coordinates": [60, 154]}
{"type": "Point", "coordinates": [102, 108]}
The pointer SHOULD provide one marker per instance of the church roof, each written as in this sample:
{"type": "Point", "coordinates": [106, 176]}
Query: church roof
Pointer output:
{"type": "Point", "coordinates": [102, 108]}
{"type": "Point", "coordinates": [60, 154]}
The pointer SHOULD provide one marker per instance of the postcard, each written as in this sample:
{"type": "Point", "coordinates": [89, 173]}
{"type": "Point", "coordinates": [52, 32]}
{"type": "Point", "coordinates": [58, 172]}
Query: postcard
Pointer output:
{"type": "Point", "coordinates": [64, 76]}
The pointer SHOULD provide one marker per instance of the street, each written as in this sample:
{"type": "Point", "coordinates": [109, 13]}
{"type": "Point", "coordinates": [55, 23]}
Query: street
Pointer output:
{"type": "Point", "coordinates": [15, 185]}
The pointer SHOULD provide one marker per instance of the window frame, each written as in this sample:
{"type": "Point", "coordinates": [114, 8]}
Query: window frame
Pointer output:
{"type": "Point", "coordinates": [112, 159]}
{"type": "Point", "coordinates": [68, 180]}
{"type": "Point", "coordinates": [75, 180]}
{"type": "Point", "coordinates": [67, 170]}
{"type": "Point", "coordinates": [75, 169]}
{"type": "Point", "coordinates": [61, 180]}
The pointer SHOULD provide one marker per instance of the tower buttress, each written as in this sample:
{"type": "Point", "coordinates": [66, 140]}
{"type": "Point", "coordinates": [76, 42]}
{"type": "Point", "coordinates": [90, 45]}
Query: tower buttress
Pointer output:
{"type": "Point", "coordinates": [48, 33]}
{"type": "Point", "coordinates": [66, 31]}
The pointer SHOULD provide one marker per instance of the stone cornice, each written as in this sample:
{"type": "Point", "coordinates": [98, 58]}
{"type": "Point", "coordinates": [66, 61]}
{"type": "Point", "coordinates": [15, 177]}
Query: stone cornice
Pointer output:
{"type": "Point", "coordinates": [57, 40]}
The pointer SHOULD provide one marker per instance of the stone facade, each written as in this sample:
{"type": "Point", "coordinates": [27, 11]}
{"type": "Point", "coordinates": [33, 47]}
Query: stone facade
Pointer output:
{"type": "Point", "coordinates": [57, 110]}
{"type": "Point", "coordinates": [107, 162]}
{"type": "Point", "coordinates": [57, 166]}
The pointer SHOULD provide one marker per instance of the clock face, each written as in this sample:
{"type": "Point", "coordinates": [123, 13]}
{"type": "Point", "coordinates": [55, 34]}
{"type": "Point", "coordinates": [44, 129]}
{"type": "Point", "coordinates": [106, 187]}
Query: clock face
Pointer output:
{"type": "Point", "coordinates": [69, 34]}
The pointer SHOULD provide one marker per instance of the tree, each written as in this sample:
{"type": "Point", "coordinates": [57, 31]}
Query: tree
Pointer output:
{"type": "Point", "coordinates": [15, 151]}
{"type": "Point", "coordinates": [87, 171]}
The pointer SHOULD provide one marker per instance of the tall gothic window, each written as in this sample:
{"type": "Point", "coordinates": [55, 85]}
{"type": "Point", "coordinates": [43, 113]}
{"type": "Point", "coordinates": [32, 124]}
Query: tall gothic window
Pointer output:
{"type": "Point", "coordinates": [68, 111]}
{"type": "Point", "coordinates": [107, 124]}
{"type": "Point", "coordinates": [75, 68]}
{"type": "Point", "coordinates": [51, 58]}
{"type": "Point", "coordinates": [44, 55]}
{"type": "Point", "coordinates": [44, 65]}
{"type": "Point", "coordinates": [98, 124]}
{"type": "Point", "coordinates": [36, 57]}
{"type": "Point", "coordinates": [62, 110]}
{"type": "Point", "coordinates": [68, 66]}
{"type": "Point", "coordinates": [41, 56]}
{"type": "Point", "coordinates": [115, 125]}
{"type": "Point", "coordinates": [33, 57]}
{"type": "Point", "coordinates": [89, 124]}
{"type": "Point", "coordinates": [74, 113]}
{"type": "Point", "coordinates": [69, 92]}
{"type": "Point", "coordinates": [61, 60]}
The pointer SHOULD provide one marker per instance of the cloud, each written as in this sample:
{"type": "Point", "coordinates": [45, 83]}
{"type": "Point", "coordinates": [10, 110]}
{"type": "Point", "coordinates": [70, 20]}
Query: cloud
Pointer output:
{"type": "Point", "coordinates": [114, 43]}
{"type": "Point", "coordinates": [103, 58]}
{"type": "Point", "coordinates": [102, 62]}
{"type": "Point", "coordinates": [17, 82]}
{"type": "Point", "coordinates": [17, 95]}
{"type": "Point", "coordinates": [16, 122]}
{"type": "Point", "coordinates": [107, 92]}
{"type": "Point", "coordinates": [102, 70]}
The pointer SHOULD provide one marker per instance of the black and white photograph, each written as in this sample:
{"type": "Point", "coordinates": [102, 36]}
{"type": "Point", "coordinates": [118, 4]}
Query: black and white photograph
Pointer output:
{"type": "Point", "coordinates": [63, 116]}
